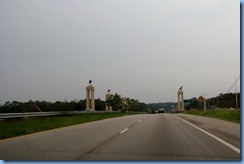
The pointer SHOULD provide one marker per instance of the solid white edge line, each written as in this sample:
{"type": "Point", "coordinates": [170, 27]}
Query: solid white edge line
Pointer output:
{"type": "Point", "coordinates": [124, 130]}
{"type": "Point", "coordinates": [213, 136]}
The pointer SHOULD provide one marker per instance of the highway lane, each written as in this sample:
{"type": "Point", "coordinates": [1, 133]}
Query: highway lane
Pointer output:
{"type": "Point", "coordinates": [137, 137]}
{"type": "Point", "coordinates": [163, 137]}
{"type": "Point", "coordinates": [69, 143]}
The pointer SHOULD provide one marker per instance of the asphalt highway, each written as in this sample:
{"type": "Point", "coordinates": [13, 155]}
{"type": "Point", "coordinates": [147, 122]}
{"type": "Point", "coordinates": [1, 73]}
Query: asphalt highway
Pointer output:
{"type": "Point", "coordinates": [135, 137]}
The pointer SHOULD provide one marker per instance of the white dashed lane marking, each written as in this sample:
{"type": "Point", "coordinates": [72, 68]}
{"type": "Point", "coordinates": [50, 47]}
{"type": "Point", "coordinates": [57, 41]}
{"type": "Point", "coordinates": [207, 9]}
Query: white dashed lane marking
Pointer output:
{"type": "Point", "coordinates": [124, 130]}
{"type": "Point", "coordinates": [128, 128]}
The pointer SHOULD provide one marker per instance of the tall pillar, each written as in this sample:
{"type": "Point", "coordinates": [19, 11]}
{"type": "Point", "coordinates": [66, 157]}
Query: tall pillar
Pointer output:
{"type": "Point", "coordinates": [181, 106]}
{"type": "Point", "coordinates": [90, 97]}
{"type": "Point", "coordinates": [87, 99]}
{"type": "Point", "coordinates": [182, 99]}
{"type": "Point", "coordinates": [178, 100]}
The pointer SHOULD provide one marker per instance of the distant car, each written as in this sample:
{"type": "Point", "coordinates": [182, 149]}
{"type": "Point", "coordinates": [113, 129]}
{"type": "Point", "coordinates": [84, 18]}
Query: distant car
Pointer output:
{"type": "Point", "coordinates": [88, 110]}
{"type": "Point", "coordinates": [161, 111]}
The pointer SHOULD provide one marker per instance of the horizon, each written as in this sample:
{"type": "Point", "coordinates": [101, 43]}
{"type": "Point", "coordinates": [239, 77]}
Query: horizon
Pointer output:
{"type": "Point", "coordinates": [77, 100]}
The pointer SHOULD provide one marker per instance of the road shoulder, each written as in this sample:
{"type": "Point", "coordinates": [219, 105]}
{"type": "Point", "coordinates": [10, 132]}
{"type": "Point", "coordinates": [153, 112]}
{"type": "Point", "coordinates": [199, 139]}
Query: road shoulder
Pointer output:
{"type": "Point", "coordinates": [228, 131]}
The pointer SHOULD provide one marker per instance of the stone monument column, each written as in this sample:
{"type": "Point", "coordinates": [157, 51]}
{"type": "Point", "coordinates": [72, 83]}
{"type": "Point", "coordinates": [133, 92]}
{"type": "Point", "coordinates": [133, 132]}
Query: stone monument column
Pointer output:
{"type": "Point", "coordinates": [178, 100]}
{"type": "Point", "coordinates": [87, 98]}
{"type": "Point", "coordinates": [180, 94]}
{"type": "Point", "coordinates": [90, 97]}
{"type": "Point", "coordinates": [182, 103]}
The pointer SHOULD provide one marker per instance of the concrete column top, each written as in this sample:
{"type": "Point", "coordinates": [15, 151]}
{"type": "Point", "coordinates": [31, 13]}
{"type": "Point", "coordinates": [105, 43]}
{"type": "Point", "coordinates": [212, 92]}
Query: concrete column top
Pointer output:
{"type": "Point", "coordinates": [180, 92]}
{"type": "Point", "coordinates": [90, 88]}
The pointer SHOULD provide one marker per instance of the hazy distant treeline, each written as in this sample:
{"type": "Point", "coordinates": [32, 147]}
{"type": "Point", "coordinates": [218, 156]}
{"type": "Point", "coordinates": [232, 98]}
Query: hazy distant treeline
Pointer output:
{"type": "Point", "coordinates": [227, 100]}
{"type": "Point", "coordinates": [43, 106]}
{"type": "Point", "coordinates": [75, 105]}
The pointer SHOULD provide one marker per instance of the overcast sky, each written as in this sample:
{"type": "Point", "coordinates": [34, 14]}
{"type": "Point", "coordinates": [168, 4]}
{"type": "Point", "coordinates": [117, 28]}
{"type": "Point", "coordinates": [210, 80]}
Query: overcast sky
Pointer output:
{"type": "Point", "coordinates": [141, 49]}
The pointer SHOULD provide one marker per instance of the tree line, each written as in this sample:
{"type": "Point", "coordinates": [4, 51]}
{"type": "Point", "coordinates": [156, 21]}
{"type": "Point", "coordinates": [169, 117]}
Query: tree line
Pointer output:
{"type": "Point", "coordinates": [117, 103]}
{"type": "Point", "coordinates": [227, 100]}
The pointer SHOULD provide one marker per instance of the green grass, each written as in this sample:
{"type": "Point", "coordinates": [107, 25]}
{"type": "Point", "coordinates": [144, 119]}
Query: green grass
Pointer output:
{"type": "Point", "coordinates": [17, 127]}
{"type": "Point", "coordinates": [223, 114]}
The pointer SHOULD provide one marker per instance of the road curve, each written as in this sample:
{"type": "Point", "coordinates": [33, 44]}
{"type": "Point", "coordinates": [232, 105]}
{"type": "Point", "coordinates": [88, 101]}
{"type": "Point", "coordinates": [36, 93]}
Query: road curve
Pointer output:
{"type": "Point", "coordinates": [135, 137]}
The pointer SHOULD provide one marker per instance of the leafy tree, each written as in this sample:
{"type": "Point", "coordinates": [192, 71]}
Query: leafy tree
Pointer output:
{"type": "Point", "coordinates": [115, 101]}
{"type": "Point", "coordinates": [227, 100]}
{"type": "Point", "coordinates": [142, 107]}
{"type": "Point", "coordinates": [194, 104]}
{"type": "Point", "coordinates": [134, 105]}
{"type": "Point", "coordinates": [80, 105]}
{"type": "Point", "coordinates": [99, 105]}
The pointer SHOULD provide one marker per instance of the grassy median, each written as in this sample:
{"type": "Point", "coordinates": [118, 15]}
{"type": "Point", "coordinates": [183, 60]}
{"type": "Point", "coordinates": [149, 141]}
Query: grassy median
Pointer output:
{"type": "Point", "coordinates": [223, 114]}
{"type": "Point", "coordinates": [17, 127]}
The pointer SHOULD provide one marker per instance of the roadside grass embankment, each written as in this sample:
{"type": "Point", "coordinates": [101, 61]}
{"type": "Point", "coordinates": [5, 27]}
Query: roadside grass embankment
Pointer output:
{"type": "Point", "coordinates": [22, 126]}
{"type": "Point", "coordinates": [223, 114]}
